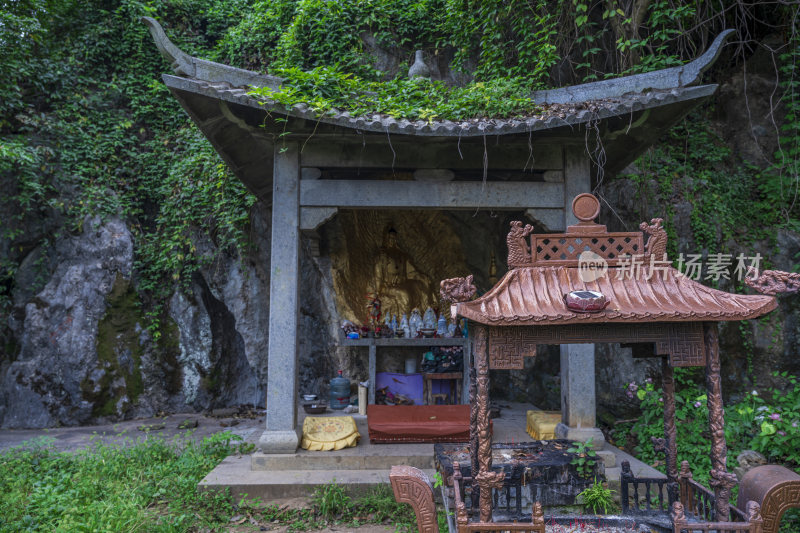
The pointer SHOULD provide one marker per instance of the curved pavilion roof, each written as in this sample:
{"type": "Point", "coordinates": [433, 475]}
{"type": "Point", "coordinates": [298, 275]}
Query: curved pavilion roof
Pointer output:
{"type": "Point", "coordinates": [629, 113]}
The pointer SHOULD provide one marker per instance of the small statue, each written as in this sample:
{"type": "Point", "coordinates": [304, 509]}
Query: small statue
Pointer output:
{"type": "Point", "coordinates": [374, 307]}
{"type": "Point", "coordinates": [519, 253]}
{"type": "Point", "coordinates": [405, 327]}
{"type": "Point", "coordinates": [429, 319]}
{"type": "Point", "coordinates": [657, 242]}
{"type": "Point", "coordinates": [397, 280]}
{"type": "Point", "coordinates": [419, 68]}
{"type": "Point", "coordinates": [441, 327]}
{"type": "Point", "coordinates": [678, 514]}
{"type": "Point", "coordinates": [753, 510]}
{"type": "Point", "coordinates": [415, 323]}
{"type": "Point", "coordinates": [457, 289]}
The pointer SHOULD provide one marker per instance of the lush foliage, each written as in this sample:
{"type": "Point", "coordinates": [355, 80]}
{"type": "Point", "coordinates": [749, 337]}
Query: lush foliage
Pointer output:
{"type": "Point", "coordinates": [87, 128]}
{"type": "Point", "coordinates": [324, 89]}
{"type": "Point", "coordinates": [728, 200]}
{"type": "Point", "coordinates": [768, 423]}
{"type": "Point", "coordinates": [151, 485]}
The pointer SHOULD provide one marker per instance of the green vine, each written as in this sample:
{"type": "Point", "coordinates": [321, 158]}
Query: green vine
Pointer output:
{"type": "Point", "coordinates": [324, 89]}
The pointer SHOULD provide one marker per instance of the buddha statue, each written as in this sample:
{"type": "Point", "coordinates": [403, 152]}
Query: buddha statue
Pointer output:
{"type": "Point", "coordinates": [397, 281]}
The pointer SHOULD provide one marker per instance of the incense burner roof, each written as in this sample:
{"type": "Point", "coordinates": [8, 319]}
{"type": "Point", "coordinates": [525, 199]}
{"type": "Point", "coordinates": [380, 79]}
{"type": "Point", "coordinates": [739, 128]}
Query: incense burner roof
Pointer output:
{"type": "Point", "coordinates": [635, 280]}
{"type": "Point", "coordinates": [535, 295]}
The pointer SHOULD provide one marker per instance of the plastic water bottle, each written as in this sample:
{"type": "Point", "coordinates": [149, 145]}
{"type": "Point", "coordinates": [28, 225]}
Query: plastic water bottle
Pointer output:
{"type": "Point", "coordinates": [339, 396]}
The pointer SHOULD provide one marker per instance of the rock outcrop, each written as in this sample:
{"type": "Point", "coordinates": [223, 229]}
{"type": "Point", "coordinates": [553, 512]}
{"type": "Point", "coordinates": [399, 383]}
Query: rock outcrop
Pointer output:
{"type": "Point", "coordinates": [58, 345]}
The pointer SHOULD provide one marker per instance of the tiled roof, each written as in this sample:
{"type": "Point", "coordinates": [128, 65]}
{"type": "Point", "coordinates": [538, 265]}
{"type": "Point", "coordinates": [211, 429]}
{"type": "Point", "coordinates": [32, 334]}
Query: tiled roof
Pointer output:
{"type": "Point", "coordinates": [552, 115]}
{"type": "Point", "coordinates": [535, 295]}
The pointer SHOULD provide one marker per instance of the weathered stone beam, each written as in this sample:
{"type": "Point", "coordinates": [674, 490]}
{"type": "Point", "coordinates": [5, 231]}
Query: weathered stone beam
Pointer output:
{"type": "Point", "coordinates": [311, 218]}
{"type": "Point", "coordinates": [374, 194]}
{"type": "Point", "coordinates": [379, 152]}
{"type": "Point", "coordinates": [551, 219]}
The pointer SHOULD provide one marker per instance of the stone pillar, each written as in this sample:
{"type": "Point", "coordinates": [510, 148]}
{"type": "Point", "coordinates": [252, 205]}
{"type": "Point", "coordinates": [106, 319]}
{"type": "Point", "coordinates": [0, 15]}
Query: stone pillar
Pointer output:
{"type": "Point", "coordinates": [578, 408]}
{"type": "Point", "coordinates": [578, 404]}
{"type": "Point", "coordinates": [577, 178]}
{"type": "Point", "coordinates": [281, 433]}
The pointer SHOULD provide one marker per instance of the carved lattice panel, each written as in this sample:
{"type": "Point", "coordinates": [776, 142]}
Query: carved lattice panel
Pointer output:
{"type": "Point", "coordinates": [682, 341]}
{"type": "Point", "coordinates": [410, 485]}
{"type": "Point", "coordinates": [509, 346]}
{"type": "Point", "coordinates": [684, 344]}
{"type": "Point", "coordinates": [564, 249]}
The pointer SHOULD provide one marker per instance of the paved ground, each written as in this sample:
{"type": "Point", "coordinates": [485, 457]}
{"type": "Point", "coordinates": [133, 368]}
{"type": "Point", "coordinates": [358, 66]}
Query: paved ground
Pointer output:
{"type": "Point", "coordinates": [247, 425]}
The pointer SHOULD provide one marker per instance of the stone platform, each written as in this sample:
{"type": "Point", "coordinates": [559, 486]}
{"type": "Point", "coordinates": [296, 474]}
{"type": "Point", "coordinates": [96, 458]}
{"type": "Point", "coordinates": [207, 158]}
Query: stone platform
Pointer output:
{"type": "Point", "coordinates": [271, 477]}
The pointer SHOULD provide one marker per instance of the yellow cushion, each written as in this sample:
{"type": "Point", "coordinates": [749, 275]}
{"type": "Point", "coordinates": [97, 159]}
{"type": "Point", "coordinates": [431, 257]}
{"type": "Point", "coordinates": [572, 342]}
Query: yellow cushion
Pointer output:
{"type": "Point", "coordinates": [325, 433]}
{"type": "Point", "coordinates": [542, 424]}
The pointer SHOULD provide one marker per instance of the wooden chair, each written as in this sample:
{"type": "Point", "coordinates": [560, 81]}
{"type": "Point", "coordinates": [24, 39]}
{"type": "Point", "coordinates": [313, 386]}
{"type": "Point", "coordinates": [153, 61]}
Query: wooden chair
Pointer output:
{"type": "Point", "coordinates": [452, 398]}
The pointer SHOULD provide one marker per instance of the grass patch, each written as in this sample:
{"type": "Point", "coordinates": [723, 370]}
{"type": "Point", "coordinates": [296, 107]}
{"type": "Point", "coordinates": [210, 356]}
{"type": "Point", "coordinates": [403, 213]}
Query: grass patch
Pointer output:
{"type": "Point", "coordinates": [151, 485]}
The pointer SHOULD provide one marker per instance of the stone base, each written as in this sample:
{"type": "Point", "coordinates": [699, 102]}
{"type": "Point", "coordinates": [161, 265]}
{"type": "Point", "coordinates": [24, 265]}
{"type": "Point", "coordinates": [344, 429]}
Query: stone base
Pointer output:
{"type": "Point", "coordinates": [285, 441]}
{"type": "Point", "coordinates": [581, 435]}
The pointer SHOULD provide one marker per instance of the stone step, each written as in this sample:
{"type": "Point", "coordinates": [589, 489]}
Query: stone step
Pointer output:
{"type": "Point", "coordinates": [368, 458]}
{"type": "Point", "coordinates": [234, 473]}
{"type": "Point", "coordinates": [608, 458]}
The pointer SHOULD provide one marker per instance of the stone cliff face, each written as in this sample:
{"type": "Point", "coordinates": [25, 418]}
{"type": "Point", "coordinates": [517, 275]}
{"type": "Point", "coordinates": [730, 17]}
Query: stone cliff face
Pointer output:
{"type": "Point", "coordinates": [52, 378]}
{"type": "Point", "coordinates": [84, 354]}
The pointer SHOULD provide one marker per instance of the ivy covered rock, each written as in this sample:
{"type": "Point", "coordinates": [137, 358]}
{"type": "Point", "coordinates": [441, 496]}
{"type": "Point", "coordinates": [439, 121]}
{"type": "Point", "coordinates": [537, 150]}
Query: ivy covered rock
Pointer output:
{"type": "Point", "coordinates": [59, 345]}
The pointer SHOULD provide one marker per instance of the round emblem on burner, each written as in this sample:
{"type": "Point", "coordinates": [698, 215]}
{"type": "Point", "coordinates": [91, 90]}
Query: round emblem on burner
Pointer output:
{"type": "Point", "coordinates": [586, 207]}
{"type": "Point", "coordinates": [585, 301]}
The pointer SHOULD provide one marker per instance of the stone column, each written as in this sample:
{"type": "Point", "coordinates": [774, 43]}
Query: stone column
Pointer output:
{"type": "Point", "coordinates": [281, 433]}
{"type": "Point", "coordinates": [577, 178]}
{"type": "Point", "coordinates": [578, 404]}
{"type": "Point", "coordinates": [578, 409]}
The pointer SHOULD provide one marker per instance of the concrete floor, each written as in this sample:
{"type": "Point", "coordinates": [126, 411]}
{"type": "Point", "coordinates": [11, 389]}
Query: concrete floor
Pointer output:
{"type": "Point", "coordinates": [74, 438]}
{"type": "Point", "coordinates": [279, 477]}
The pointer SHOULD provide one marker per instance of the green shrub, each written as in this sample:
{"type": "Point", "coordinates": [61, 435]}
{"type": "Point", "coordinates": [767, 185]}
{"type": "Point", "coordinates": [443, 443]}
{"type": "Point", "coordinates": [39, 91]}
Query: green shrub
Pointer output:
{"type": "Point", "coordinates": [586, 458]}
{"type": "Point", "coordinates": [598, 498]}
{"type": "Point", "coordinates": [767, 423]}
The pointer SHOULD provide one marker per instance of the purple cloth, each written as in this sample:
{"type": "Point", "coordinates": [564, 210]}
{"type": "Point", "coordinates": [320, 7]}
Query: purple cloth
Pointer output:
{"type": "Point", "coordinates": [408, 385]}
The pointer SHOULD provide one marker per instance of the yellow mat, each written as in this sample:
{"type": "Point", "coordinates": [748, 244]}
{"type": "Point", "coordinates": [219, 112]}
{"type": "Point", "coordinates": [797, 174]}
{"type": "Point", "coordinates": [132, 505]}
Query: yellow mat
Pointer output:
{"type": "Point", "coordinates": [542, 424]}
{"type": "Point", "coordinates": [325, 433]}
